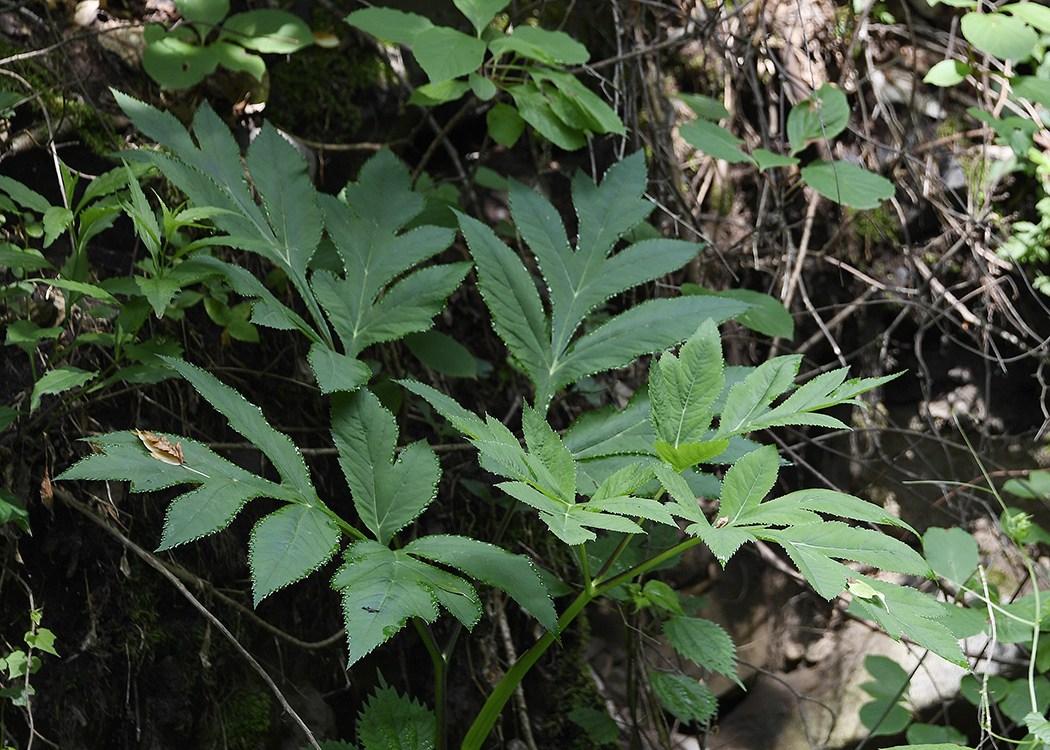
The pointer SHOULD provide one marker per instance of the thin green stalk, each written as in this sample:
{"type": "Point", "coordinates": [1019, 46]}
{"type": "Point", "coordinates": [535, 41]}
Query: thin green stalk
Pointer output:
{"type": "Point", "coordinates": [493, 707]}
{"type": "Point", "coordinates": [440, 680]}
{"type": "Point", "coordinates": [486, 718]}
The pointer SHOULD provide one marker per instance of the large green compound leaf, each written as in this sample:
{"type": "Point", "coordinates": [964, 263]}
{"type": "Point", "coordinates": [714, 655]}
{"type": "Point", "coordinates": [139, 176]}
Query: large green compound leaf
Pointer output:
{"type": "Point", "coordinates": [288, 545]}
{"type": "Point", "coordinates": [579, 280]}
{"type": "Point", "coordinates": [364, 224]}
{"type": "Point", "coordinates": [746, 483]}
{"type": "Point", "coordinates": [493, 566]}
{"type": "Point", "coordinates": [382, 588]}
{"type": "Point", "coordinates": [387, 495]}
{"type": "Point", "coordinates": [247, 419]}
{"type": "Point", "coordinates": [210, 172]}
{"type": "Point", "coordinates": [224, 486]}
{"type": "Point", "coordinates": [814, 548]}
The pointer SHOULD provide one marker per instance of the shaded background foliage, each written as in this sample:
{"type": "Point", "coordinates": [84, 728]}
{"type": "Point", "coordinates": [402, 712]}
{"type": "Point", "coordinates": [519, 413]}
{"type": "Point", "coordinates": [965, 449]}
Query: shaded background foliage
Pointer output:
{"type": "Point", "coordinates": [915, 285]}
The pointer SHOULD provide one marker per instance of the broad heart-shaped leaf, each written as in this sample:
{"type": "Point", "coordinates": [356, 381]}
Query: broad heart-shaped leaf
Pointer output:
{"type": "Point", "coordinates": [683, 388]}
{"type": "Point", "coordinates": [494, 566]}
{"type": "Point", "coordinates": [541, 45]}
{"type": "Point", "coordinates": [446, 53]}
{"type": "Point", "coordinates": [1000, 35]}
{"type": "Point", "coordinates": [225, 487]}
{"type": "Point", "coordinates": [268, 30]}
{"type": "Point", "coordinates": [247, 419]}
{"type": "Point", "coordinates": [813, 548]}
{"type": "Point", "coordinates": [952, 553]}
{"type": "Point", "coordinates": [382, 588]}
{"type": "Point", "coordinates": [389, 25]}
{"type": "Point", "coordinates": [848, 184]}
{"type": "Point", "coordinates": [746, 483]}
{"type": "Point", "coordinates": [206, 11]}
{"type": "Point", "coordinates": [823, 115]}
{"type": "Point", "coordinates": [714, 140]}
{"type": "Point", "coordinates": [288, 545]}
{"type": "Point", "coordinates": [481, 12]}
{"type": "Point", "coordinates": [175, 63]}
{"type": "Point", "coordinates": [1033, 13]}
{"type": "Point", "coordinates": [387, 495]}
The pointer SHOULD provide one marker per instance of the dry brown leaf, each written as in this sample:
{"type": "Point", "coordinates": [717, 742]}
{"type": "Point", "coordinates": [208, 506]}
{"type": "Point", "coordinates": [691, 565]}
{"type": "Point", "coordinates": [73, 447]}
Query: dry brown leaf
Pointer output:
{"type": "Point", "coordinates": [161, 448]}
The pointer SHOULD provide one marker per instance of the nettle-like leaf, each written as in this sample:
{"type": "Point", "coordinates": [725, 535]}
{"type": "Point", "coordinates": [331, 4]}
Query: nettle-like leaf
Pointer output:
{"type": "Point", "coordinates": [364, 222]}
{"type": "Point", "coordinates": [580, 279]}
{"type": "Point", "coordinates": [390, 721]}
{"type": "Point", "coordinates": [704, 643]}
{"type": "Point", "coordinates": [686, 697]}
{"type": "Point", "coordinates": [382, 588]}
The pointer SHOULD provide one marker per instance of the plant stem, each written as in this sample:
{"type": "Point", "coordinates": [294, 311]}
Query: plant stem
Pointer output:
{"type": "Point", "coordinates": [493, 707]}
{"type": "Point", "coordinates": [440, 680]}
{"type": "Point", "coordinates": [486, 718]}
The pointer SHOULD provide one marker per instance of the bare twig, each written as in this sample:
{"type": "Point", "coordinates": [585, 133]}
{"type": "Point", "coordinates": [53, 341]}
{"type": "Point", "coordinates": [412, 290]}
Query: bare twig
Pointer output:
{"type": "Point", "coordinates": [155, 563]}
